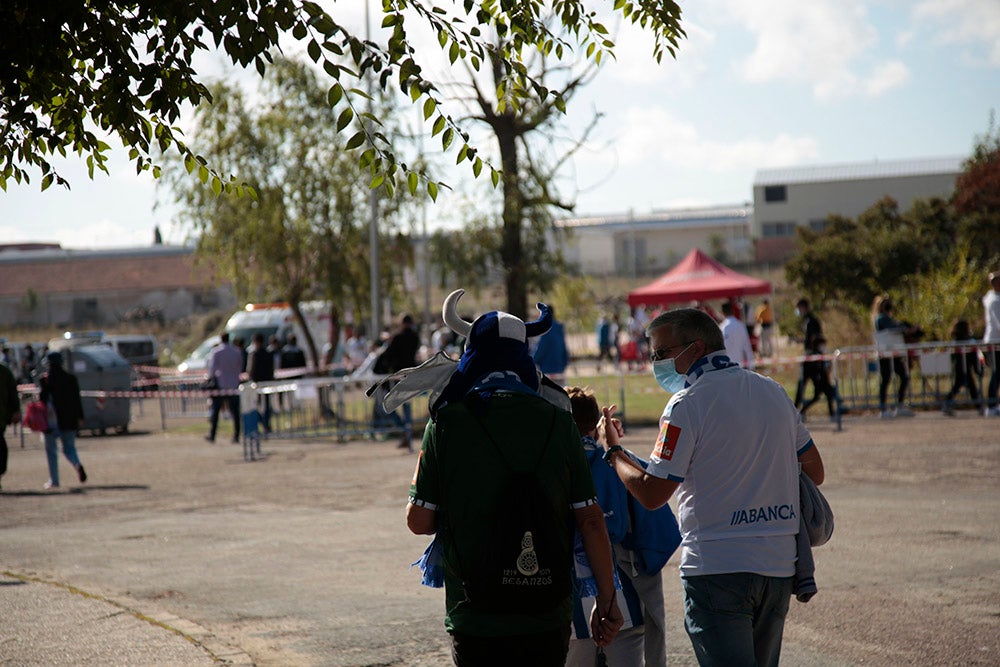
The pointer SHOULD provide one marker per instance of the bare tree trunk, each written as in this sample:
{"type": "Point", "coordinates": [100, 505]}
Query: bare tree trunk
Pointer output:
{"type": "Point", "coordinates": [296, 306]}
{"type": "Point", "coordinates": [513, 211]}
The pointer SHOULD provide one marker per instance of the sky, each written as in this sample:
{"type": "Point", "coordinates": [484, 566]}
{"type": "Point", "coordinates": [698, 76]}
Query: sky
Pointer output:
{"type": "Point", "coordinates": [755, 85]}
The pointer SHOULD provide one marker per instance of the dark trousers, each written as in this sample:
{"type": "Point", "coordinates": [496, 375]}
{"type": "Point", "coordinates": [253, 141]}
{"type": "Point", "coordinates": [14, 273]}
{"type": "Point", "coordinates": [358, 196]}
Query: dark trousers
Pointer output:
{"type": "Point", "coordinates": [233, 403]}
{"type": "Point", "coordinates": [3, 451]}
{"type": "Point", "coordinates": [543, 649]}
{"type": "Point", "coordinates": [817, 374]}
{"type": "Point", "coordinates": [963, 377]}
{"type": "Point", "coordinates": [886, 366]}
{"type": "Point", "coordinates": [994, 387]}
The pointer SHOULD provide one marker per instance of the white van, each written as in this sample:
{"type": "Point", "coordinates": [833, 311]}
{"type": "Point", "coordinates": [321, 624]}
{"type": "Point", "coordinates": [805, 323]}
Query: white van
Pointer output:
{"type": "Point", "coordinates": [277, 319]}
{"type": "Point", "coordinates": [269, 319]}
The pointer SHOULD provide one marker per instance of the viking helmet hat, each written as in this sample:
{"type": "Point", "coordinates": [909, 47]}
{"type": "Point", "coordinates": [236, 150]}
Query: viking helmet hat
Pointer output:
{"type": "Point", "coordinates": [495, 342]}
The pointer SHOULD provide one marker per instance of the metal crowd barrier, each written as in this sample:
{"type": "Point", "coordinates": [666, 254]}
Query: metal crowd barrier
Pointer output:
{"type": "Point", "coordinates": [300, 408]}
{"type": "Point", "coordinates": [857, 376]}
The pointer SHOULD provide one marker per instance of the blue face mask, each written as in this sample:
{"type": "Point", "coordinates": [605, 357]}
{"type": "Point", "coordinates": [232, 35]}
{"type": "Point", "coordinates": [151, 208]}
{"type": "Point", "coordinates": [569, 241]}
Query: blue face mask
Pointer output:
{"type": "Point", "coordinates": [665, 372]}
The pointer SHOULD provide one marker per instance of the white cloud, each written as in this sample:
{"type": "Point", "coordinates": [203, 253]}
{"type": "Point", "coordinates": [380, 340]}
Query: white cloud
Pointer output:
{"type": "Point", "coordinates": [973, 24]}
{"type": "Point", "coordinates": [653, 135]}
{"type": "Point", "coordinates": [634, 63]}
{"type": "Point", "coordinates": [887, 76]}
{"type": "Point", "coordinates": [822, 43]}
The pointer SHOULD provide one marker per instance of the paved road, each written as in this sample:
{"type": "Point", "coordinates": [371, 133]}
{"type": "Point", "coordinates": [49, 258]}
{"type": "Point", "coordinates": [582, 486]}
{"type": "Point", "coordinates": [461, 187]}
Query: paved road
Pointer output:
{"type": "Point", "coordinates": [176, 552]}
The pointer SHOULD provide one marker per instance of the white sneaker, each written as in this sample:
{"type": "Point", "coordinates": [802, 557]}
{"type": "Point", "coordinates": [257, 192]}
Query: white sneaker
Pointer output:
{"type": "Point", "coordinates": [991, 412]}
{"type": "Point", "coordinates": [885, 414]}
{"type": "Point", "coordinates": [903, 411]}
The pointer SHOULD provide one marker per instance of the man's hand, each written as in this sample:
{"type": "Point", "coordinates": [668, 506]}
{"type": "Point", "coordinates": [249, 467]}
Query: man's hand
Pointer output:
{"type": "Point", "coordinates": [605, 621]}
{"type": "Point", "coordinates": [609, 429]}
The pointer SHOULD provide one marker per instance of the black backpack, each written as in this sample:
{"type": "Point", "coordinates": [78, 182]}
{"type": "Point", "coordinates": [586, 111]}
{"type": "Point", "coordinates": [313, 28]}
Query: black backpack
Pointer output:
{"type": "Point", "coordinates": [525, 563]}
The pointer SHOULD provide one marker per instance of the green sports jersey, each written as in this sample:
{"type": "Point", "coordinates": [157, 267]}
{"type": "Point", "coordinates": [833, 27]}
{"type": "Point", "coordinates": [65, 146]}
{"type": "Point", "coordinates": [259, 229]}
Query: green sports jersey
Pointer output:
{"type": "Point", "coordinates": [460, 472]}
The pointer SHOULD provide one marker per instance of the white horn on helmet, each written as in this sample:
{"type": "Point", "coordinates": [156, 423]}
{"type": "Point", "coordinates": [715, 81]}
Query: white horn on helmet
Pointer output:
{"type": "Point", "coordinates": [449, 312]}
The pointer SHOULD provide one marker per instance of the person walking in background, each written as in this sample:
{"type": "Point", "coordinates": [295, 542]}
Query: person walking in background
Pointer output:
{"type": "Point", "coordinates": [817, 372]}
{"type": "Point", "coordinates": [225, 363]}
{"type": "Point", "coordinates": [260, 368]}
{"type": "Point", "coordinates": [400, 353]}
{"type": "Point", "coordinates": [61, 392]}
{"type": "Point", "coordinates": [965, 367]}
{"type": "Point", "coordinates": [991, 336]}
{"type": "Point", "coordinates": [606, 335]}
{"type": "Point", "coordinates": [811, 329]}
{"type": "Point", "coordinates": [889, 334]}
{"type": "Point", "coordinates": [550, 353]}
{"type": "Point", "coordinates": [28, 362]}
{"type": "Point", "coordinates": [764, 317]}
{"type": "Point", "coordinates": [734, 332]}
{"type": "Point", "coordinates": [241, 344]}
{"type": "Point", "coordinates": [291, 355]}
{"type": "Point", "coordinates": [731, 444]}
{"type": "Point", "coordinates": [10, 410]}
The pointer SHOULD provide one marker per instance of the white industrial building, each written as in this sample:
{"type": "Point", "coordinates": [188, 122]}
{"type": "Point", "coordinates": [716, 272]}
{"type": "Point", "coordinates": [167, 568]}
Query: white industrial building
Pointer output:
{"type": "Point", "coordinates": [637, 245]}
{"type": "Point", "coordinates": [629, 244]}
{"type": "Point", "coordinates": [787, 198]}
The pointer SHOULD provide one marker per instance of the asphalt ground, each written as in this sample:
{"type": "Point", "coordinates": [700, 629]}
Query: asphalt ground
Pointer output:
{"type": "Point", "coordinates": [177, 552]}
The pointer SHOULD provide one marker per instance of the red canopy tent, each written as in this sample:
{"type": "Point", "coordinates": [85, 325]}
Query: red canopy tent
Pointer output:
{"type": "Point", "coordinates": [697, 277]}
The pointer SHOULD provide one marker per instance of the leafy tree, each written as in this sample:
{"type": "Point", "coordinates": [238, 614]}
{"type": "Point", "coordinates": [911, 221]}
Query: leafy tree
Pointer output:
{"type": "Point", "coordinates": [465, 257]}
{"type": "Point", "coordinates": [936, 298]}
{"type": "Point", "coordinates": [977, 195]}
{"type": "Point", "coordinates": [528, 188]}
{"type": "Point", "coordinates": [74, 73]}
{"type": "Point", "coordinates": [575, 302]}
{"type": "Point", "coordinates": [305, 234]}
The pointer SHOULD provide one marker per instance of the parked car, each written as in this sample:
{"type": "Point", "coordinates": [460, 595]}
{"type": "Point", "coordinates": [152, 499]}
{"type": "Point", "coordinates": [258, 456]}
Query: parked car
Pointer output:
{"type": "Point", "coordinates": [198, 360]}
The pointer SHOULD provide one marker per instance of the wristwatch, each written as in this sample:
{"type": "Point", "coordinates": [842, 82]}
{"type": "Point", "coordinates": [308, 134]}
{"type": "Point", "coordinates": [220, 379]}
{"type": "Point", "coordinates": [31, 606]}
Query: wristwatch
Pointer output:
{"type": "Point", "coordinates": [610, 452]}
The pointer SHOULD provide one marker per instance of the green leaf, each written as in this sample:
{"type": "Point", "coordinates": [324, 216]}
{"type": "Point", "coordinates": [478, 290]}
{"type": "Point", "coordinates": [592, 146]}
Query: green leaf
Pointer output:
{"type": "Point", "coordinates": [335, 94]}
{"type": "Point", "coordinates": [477, 167]}
{"type": "Point", "coordinates": [216, 185]}
{"type": "Point", "coordinates": [389, 20]}
{"type": "Point", "coordinates": [494, 176]}
{"type": "Point", "coordinates": [429, 106]}
{"type": "Point", "coordinates": [344, 119]}
{"type": "Point", "coordinates": [376, 181]}
{"type": "Point", "coordinates": [412, 182]}
{"type": "Point", "coordinates": [446, 138]}
{"type": "Point", "coordinates": [438, 126]}
{"type": "Point", "coordinates": [46, 182]}
{"type": "Point", "coordinates": [314, 51]}
{"type": "Point", "coordinates": [203, 173]}
{"type": "Point", "coordinates": [356, 140]}
{"type": "Point", "coordinates": [432, 190]}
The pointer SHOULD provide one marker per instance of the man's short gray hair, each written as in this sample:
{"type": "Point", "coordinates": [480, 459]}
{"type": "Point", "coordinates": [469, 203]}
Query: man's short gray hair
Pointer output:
{"type": "Point", "coordinates": [690, 324]}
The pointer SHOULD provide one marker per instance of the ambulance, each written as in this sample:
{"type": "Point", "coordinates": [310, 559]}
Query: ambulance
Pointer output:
{"type": "Point", "coordinates": [269, 319]}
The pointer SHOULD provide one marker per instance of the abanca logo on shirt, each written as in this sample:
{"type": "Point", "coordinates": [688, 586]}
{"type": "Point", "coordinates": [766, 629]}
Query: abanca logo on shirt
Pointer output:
{"type": "Point", "coordinates": [757, 514]}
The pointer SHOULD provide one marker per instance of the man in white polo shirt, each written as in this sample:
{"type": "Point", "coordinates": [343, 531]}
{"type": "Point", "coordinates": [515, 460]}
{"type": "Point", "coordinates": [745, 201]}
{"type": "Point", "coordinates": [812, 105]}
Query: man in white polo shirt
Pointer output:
{"type": "Point", "coordinates": [730, 444]}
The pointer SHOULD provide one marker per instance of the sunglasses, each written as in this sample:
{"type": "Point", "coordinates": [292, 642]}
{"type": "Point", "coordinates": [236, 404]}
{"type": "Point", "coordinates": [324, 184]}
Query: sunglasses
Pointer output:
{"type": "Point", "coordinates": [662, 353]}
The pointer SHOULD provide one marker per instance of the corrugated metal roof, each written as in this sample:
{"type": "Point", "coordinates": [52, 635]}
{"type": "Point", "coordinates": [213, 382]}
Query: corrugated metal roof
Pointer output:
{"type": "Point", "coordinates": [859, 170]}
{"type": "Point", "coordinates": [15, 255]}
{"type": "Point", "coordinates": [683, 217]}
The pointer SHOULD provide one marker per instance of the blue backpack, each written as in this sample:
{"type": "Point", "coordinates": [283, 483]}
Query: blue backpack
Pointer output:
{"type": "Point", "coordinates": [654, 534]}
